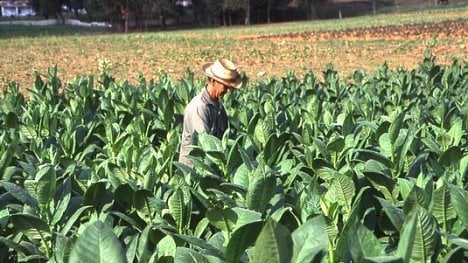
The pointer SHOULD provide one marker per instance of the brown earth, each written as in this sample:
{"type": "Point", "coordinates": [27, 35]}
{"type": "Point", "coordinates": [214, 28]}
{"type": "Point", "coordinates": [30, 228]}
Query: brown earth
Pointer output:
{"type": "Point", "coordinates": [259, 56]}
{"type": "Point", "coordinates": [446, 29]}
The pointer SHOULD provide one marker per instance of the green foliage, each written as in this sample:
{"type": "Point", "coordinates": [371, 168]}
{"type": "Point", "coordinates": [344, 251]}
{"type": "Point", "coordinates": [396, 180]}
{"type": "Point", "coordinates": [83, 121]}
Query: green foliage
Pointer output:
{"type": "Point", "coordinates": [309, 171]}
{"type": "Point", "coordinates": [97, 243]}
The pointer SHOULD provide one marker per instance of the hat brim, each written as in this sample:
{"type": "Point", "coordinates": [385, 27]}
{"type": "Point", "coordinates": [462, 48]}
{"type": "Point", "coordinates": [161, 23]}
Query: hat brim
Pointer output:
{"type": "Point", "coordinates": [235, 83]}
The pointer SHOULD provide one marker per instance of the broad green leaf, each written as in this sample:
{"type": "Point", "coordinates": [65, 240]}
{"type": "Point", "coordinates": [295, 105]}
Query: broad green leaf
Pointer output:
{"type": "Point", "coordinates": [275, 147]}
{"type": "Point", "coordinates": [384, 259]}
{"type": "Point", "coordinates": [274, 244]}
{"type": "Point", "coordinates": [201, 227]}
{"type": "Point", "coordinates": [209, 248]}
{"type": "Point", "coordinates": [94, 195]}
{"type": "Point", "coordinates": [185, 255]}
{"type": "Point", "coordinates": [430, 143]}
{"type": "Point", "coordinates": [374, 166]}
{"type": "Point", "coordinates": [321, 147]}
{"type": "Point", "coordinates": [336, 145]}
{"type": "Point", "coordinates": [245, 216]}
{"type": "Point", "coordinates": [131, 249]}
{"type": "Point", "coordinates": [127, 219]}
{"type": "Point", "coordinates": [261, 132]}
{"type": "Point", "coordinates": [166, 247]}
{"type": "Point", "coordinates": [363, 244]}
{"type": "Point", "coordinates": [451, 156]}
{"type": "Point", "coordinates": [396, 215]}
{"type": "Point", "coordinates": [342, 238]}
{"type": "Point", "coordinates": [124, 196]}
{"type": "Point", "coordinates": [32, 226]}
{"type": "Point", "coordinates": [10, 170]}
{"type": "Point", "coordinates": [367, 155]}
{"type": "Point", "coordinates": [234, 159]}
{"type": "Point", "coordinates": [28, 132]}
{"type": "Point", "coordinates": [310, 239]}
{"type": "Point", "coordinates": [456, 132]}
{"type": "Point", "coordinates": [177, 208]}
{"type": "Point", "coordinates": [45, 184]}
{"type": "Point", "coordinates": [4, 214]}
{"type": "Point", "coordinates": [222, 197]}
{"type": "Point", "coordinates": [464, 165]}
{"type": "Point", "coordinates": [441, 206]}
{"type": "Point", "coordinates": [14, 245]}
{"type": "Point", "coordinates": [405, 187]}
{"type": "Point", "coordinates": [417, 197]}
{"type": "Point", "coordinates": [327, 173]}
{"type": "Point", "coordinates": [395, 127]}
{"type": "Point", "coordinates": [143, 249]}
{"type": "Point", "coordinates": [344, 189]}
{"type": "Point", "coordinates": [348, 125]}
{"type": "Point", "coordinates": [241, 177]}
{"type": "Point", "coordinates": [99, 244]}
{"type": "Point", "coordinates": [419, 236]}
{"type": "Point", "coordinates": [147, 206]}
{"type": "Point", "coordinates": [62, 248]}
{"type": "Point", "coordinates": [386, 145]}
{"type": "Point", "coordinates": [261, 190]}
{"type": "Point", "coordinates": [402, 151]}
{"type": "Point", "coordinates": [223, 219]}
{"type": "Point", "coordinates": [211, 145]}
{"type": "Point", "coordinates": [73, 219]}
{"type": "Point", "coordinates": [21, 194]}
{"type": "Point", "coordinates": [11, 120]}
{"type": "Point", "coordinates": [62, 199]}
{"type": "Point", "coordinates": [242, 237]}
{"type": "Point", "coordinates": [459, 198]}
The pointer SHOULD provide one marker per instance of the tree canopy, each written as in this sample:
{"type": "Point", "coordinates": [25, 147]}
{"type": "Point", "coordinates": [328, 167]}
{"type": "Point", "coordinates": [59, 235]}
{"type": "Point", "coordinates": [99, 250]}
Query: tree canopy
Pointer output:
{"type": "Point", "coordinates": [144, 14]}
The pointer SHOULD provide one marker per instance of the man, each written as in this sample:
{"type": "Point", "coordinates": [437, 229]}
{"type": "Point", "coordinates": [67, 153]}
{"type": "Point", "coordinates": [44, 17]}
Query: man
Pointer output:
{"type": "Point", "coordinates": [205, 113]}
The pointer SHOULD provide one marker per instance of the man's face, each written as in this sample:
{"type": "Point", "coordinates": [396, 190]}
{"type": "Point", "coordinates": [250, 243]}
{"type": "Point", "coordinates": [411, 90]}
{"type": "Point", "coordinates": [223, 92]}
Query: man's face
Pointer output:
{"type": "Point", "coordinates": [219, 89]}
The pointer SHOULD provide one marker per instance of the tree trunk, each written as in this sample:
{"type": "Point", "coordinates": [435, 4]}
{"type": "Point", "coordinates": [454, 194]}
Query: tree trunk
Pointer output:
{"type": "Point", "coordinates": [268, 11]}
{"type": "Point", "coordinates": [125, 19]}
{"type": "Point", "coordinates": [224, 18]}
{"type": "Point", "coordinates": [374, 7]}
{"type": "Point", "coordinates": [123, 13]}
{"type": "Point", "coordinates": [311, 11]}
{"type": "Point", "coordinates": [163, 20]}
{"type": "Point", "coordinates": [247, 12]}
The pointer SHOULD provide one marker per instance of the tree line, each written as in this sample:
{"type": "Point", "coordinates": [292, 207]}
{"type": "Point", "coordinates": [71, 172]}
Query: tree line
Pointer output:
{"type": "Point", "coordinates": [142, 14]}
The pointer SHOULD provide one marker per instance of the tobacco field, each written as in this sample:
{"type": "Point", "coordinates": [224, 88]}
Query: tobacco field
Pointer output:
{"type": "Point", "coordinates": [311, 169]}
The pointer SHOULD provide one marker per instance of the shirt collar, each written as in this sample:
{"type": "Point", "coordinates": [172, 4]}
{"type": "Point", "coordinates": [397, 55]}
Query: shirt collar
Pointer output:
{"type": "Point", "coordinates": [206, 97]}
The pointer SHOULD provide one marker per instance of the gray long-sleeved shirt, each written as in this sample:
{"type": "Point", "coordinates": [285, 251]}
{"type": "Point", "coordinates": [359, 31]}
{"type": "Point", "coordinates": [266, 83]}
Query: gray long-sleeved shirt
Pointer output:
{"type": "Point", "coordinates": [202, 114]}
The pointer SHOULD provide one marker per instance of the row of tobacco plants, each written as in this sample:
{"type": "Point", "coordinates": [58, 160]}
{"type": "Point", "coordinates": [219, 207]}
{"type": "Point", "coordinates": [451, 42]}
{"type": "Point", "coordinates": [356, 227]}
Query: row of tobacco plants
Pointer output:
{"type": "Point", "coordinates": [310, 170]}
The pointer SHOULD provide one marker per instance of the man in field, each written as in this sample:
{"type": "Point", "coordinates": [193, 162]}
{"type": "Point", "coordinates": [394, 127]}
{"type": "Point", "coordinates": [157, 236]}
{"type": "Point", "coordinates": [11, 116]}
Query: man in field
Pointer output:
{"type": "Point", "coordinates": [205, 113]}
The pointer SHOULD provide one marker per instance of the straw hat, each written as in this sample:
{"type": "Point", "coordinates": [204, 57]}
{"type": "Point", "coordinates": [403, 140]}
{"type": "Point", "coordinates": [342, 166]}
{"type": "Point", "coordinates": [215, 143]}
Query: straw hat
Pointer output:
{"type": "Point", "coordinates": [224, 71]}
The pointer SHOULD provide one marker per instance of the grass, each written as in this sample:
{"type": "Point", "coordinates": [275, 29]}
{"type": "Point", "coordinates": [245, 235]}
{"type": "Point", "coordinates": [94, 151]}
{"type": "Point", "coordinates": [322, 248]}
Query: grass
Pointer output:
{"type": "Point", "coordinates": [79, 51]}
{"type": "Point", "coordinates": [19, 31]}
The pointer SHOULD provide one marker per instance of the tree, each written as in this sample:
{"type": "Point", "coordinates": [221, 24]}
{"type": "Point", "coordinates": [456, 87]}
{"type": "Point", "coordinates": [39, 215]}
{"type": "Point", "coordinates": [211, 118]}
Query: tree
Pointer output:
{"type": "Point", "coordinates": [228, 7]}
{"type": "Point", "coordinates": [48, 8]}
{"type": "Point", "coordinates": [74, 5]}
{"type": "Point", "coordinates": [122, 12]}
{"type": "Point", "coordinates": [268, 10]}
{"type": "Point", "coordinates": [247, 11]}
{"type": "Point", "coordinates": [308, 5]}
